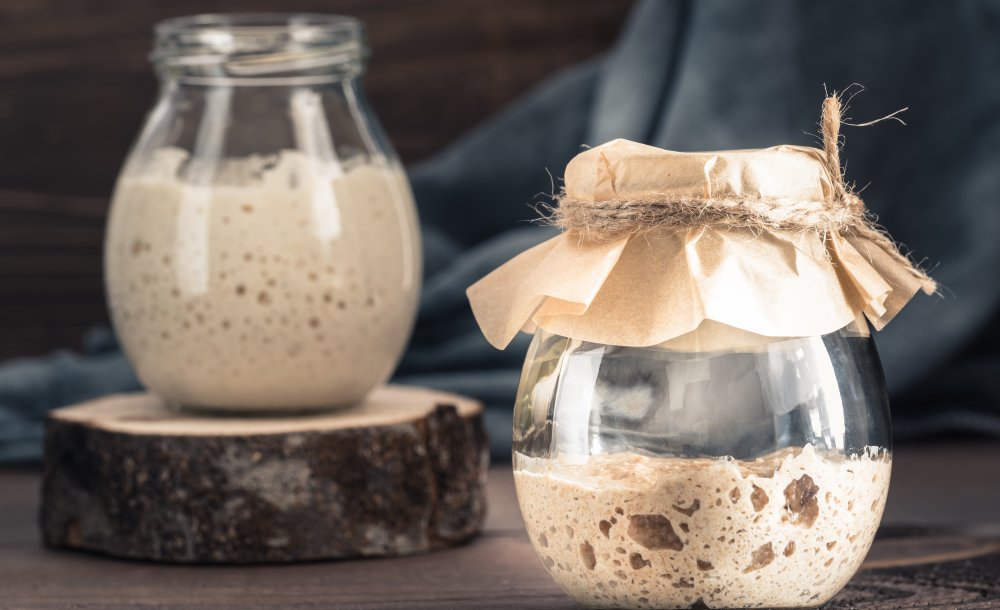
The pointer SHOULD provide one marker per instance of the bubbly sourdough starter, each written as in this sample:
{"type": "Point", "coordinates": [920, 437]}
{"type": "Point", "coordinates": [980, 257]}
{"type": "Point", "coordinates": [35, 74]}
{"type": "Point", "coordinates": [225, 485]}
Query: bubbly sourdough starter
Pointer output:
{"type": "Point", "coordinates": [288, 284]}
{"type": "Point", "coordinates": [628, 531]}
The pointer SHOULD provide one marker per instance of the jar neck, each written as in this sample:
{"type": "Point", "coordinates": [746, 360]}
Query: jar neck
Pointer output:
{"type": "Point", "coordinates": [259, 49]}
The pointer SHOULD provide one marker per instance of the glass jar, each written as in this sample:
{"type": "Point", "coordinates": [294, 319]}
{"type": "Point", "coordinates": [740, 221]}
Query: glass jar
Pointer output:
{"type": "Point", "coordinates": [262, 250]}
{"type": "Point", "coordinates": [677, 476]}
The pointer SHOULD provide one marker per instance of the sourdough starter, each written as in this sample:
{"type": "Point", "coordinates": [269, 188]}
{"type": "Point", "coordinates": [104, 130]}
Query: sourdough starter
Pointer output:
{"type": "Point", "coordinates": [289, 283]}
{"type": "Point", "coordinates": [629, 531]}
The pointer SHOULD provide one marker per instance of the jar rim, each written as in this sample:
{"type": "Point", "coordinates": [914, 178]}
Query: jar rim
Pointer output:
{"type": "Point", "coordinates": [259, 23]}
{"type": "Point", "coordinates": [259, 45]}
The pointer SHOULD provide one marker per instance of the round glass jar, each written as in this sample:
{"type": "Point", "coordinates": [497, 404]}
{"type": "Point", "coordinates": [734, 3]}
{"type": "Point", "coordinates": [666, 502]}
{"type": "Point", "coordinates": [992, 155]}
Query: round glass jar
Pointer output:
{"type": "Point", "coordinates": [675, 477]}
{"type": "Point", "coordinates": [262, 251]}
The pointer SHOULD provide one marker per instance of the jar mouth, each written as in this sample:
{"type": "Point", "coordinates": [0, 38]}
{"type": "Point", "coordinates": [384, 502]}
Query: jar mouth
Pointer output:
{"type": "Point", "coordinates": [259, 45]}
{"type": "Point", "coordinates": [303, 24]}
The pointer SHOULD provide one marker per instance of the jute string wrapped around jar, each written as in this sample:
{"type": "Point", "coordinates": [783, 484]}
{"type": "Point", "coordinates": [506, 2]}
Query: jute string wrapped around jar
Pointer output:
{"type": "Point", "coordinates": [655, 243]}
{"type": "Point", "coordinates": [844, 211]}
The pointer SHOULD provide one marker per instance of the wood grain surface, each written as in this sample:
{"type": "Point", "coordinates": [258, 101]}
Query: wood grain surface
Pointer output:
{"type": "Point", "coordinates": [75, 84]}
{"type": "Point", "coordinates": [936, 550]}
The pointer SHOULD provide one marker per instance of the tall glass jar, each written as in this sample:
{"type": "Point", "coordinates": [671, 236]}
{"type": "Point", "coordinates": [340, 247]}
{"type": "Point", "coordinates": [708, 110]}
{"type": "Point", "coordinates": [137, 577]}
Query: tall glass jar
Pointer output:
{"type": "Point", "coordinates": [262, 250]}
{"type": "Point", "coordinates": [698, 475]}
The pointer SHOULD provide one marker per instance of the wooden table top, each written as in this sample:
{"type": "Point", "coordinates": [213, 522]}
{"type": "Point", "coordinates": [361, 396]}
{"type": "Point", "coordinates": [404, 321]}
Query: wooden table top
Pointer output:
{"type": "Point", "coordinates": [939, 548]}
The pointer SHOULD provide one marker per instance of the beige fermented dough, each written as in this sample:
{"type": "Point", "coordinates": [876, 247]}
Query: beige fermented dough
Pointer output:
{"type": "Point", "coordinates": [630, 531]}
{"type": "Point", "coordinates": [288, 283]}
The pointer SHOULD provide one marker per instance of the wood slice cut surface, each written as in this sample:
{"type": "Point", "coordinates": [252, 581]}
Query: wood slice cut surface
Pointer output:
{"type": "Point", "coordinates": [402, 473]}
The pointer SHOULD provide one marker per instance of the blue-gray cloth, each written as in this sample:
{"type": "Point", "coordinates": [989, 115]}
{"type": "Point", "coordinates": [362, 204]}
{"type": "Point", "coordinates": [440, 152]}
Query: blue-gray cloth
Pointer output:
{"type": "Point", "coordinates": [713, 74]}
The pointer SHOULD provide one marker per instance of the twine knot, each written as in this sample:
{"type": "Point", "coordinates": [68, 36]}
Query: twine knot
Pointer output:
{"type": "Point", "coordinates": [614, 218]}
{"type": "Point", "coordinates": [844, 212]}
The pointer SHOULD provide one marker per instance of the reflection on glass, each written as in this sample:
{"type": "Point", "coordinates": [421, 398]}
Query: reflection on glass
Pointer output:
{"type": "Point", "coordinates": [735, 477]}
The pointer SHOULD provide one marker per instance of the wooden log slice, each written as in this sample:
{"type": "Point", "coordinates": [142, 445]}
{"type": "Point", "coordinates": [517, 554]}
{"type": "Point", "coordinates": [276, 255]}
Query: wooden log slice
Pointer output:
{"type": "Point", "coordinates": [402, 473]}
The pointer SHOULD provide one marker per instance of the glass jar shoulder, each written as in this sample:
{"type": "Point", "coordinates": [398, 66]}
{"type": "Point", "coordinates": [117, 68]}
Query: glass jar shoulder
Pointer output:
{"type": "Point", "coordinates": [579, 398]}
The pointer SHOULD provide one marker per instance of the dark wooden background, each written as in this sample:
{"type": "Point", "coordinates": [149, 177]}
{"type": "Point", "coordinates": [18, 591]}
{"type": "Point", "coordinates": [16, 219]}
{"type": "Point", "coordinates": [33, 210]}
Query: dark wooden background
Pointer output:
{"type": "Point", "coordinates": [75, 84]}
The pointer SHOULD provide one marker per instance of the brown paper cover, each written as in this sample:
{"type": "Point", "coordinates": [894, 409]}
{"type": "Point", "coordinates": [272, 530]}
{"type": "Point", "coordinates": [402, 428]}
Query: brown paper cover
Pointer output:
{"type": "Point", "coordinates": [651, 287]}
